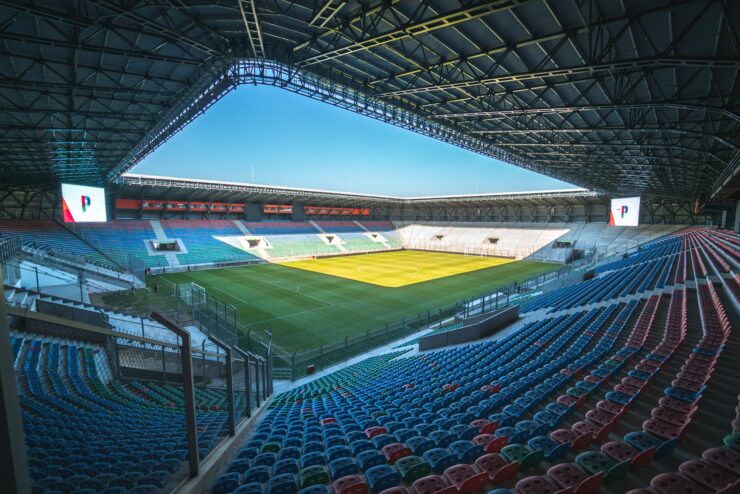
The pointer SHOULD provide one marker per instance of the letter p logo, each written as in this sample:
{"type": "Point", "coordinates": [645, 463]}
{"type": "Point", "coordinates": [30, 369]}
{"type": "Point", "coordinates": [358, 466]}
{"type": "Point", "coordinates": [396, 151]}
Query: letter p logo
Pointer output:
{"type": "Point", "coordinates": [624, 210]}
{"type": "Point", "coordinates": [85, 202]}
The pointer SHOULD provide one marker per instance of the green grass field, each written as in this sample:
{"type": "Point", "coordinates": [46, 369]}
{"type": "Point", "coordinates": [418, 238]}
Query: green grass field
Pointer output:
{"type": "Point", "coordinates": [310, 303]}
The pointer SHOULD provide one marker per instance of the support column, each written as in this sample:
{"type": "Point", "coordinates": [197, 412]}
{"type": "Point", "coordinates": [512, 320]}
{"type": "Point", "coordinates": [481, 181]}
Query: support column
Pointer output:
{"type": "Point", "coordinates": [14, 469]}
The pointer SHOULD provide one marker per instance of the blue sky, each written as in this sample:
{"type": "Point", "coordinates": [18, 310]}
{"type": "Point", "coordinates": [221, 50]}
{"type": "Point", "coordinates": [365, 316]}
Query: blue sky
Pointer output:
{"type": "Point", "coordinates": [270, 136]}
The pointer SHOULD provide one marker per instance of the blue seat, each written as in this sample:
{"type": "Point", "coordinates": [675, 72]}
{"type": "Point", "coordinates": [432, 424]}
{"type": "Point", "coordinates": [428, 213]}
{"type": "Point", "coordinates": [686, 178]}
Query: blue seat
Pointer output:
{"type": "Point", "coordinates": [341, 467]}
{"type": "Point", "coordinates": [336, 452]}
{"type": "Point", "coordinates": [369, 459]}
{"type": "Point", "coordinates": [382, 477]}
{"type": "Point", "coordinates": [313, 447]}
{"type": "Point", "coordinates": [442, 438]}
{"type": "Point", "coordinates": [238, 466]}
{"type": "Point", "coordinates": [419, 444]}
{"type": "Point", "coordinates": [226, 483]}
{"type": "Point", "coordinates": [466, 451]}
{"type": "Point", "coordinates": [260, 473]}
{"type": "Point", "coordinates": [266, 459]}
{"type": "Point", "coordinates": [314, 489]}
{"type": "Point", "coordinates": [251, 488]}
{"type": "Point", "coordinates": [311, 459]}
{"type": "Point", "coordinates": [289, 452]}
{"type": "Point", "coordinates": [288, 465]}
{"type": "Point", "coordinates": [440, 459]}
{"type": "Point", "coordinates": [357, 447]}
{"type": "Point", "coordinates": [282, 484]}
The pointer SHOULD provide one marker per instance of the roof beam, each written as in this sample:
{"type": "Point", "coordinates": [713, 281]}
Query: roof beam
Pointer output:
{"type": "Point", "coordinates": [612, 67]}
{"type": "Point", "coordinates": [420, 28]}
{"type": "Point", "coordinates": [607, 129]}
{"type": "Point", "coordinates": [585, 108]}
{"type": "Point", "coordinates": [248, 9]}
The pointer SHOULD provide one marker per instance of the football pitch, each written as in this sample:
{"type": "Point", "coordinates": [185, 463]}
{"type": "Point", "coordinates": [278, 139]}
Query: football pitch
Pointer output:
{"type": "Point", "coordinates": [316, 302]}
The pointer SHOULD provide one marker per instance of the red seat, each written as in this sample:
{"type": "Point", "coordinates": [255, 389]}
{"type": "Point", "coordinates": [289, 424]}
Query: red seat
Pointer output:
{"type": "Point", "coordinates": [395, 451]}
{"type": "Point", "coordinates": [610, 407]}
{"type": "Point", "coordinates": [371, 432]}
{"type": "Point", "coordinates": [482, 439]}
{"type": "Point", "coordinates": [495, 444]}
{"type": "Point", "coordinates": [671, 416]}
{"type": "Point", "coordinates": [399, 489]}
{"type": "Point", "coordinates": [567, 400]}
{"type": "Point", "coordinates": [724, 458]}
{"type": "Point", "coordinates": [569, 475]}
{"type": "Point", "coordinates": [429, 484]}
{"type": "Point", "coordinates": [663, 429]}
{"type": "Point", "coordinates": [673, 483]}
{"type": "Point", "coordinates": [465, 479]}
{"type": "Point", "coordinates": [675, 404]}
{"type": "Point", "coordinates": [707, 475]}
{"type": "Point", "coordinates": [599, 417]}
{"type": "Point", "coordinates": [497, 468]}
{"type": "Point", "coordinates": [537, 485]}
{"type": "Point", "coordinates": [350, 484]}
{"type": "Point", "coordinates": [479, 424]}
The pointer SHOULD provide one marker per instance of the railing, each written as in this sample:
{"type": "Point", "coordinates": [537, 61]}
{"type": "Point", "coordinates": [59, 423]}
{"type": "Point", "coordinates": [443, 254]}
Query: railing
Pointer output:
{"type": "Point", "coordinates": [10, 247]}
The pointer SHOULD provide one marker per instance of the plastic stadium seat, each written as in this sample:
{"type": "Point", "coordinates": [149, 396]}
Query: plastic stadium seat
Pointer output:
{"type": "Point", "coordinates": [705, 474]}
{"type": "Point", "coordinates": [259, 473]}
{"type": "Point", "coordinates": [251, 488]}
{"type": "Point", "coordinates": [536, 485]}
{"type": "Point", "coordinates": [568, 475]}
{"type": "Point", "coordinates": [412, 468]}
{"type": "Point", "coordinates": [395, 451]}
{"type": "Point", "coordinates": [465, 479]}
{"type": "Point", "coordinates": [523, 455]}
{"type": "Point", "coordinates": [382, 477]}
{"type": "Point", "coordinates": [440, 459]}
{"type": "Point", "coordinates": [312, 459]}
{"type": "Point", "coordinates": [369, 459]}
{"type": "Point", "coordinates": [342, 467]}
{"type": "Point", "coordinates": [399, 489]}
{"type": "Point", "coordinates": [226, 483]}
{"type": "Point", "coordinates": [674, 483]}
{"type": "Point", "coordinates": [429, 485]}
{"type": "Point", "coordinates": [497, 467]}
{"type": "Point", "coordinates": [593, 462]}
{"type": "Point", "coordinates": [724, 458]}
{"type": "Point", "coordinates": [315, 474]}
{"type": "Point", "coordinates": [314, 489]}
{"type": "Point", "coordinates": [350, 484]}
{"type": "Point", "coordinates": [419, 444]}
{"type": "Point", "coordinates": [551, 449]}
{"type": "Point", "coordinates": [285, 466]}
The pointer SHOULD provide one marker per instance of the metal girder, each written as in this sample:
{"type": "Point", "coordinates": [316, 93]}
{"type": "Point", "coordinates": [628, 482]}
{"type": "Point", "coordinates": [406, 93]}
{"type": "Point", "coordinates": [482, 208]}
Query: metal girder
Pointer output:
{"type": "Point", "coordinates": [248, 9]}
{"type": "Point", "coordinates": [115, 81]}
{"type": "Point", "coordinates": [625, 65]}
{"type": "Point", "coordinates": [414, 29]}
{"type": "Point", "coordinates": [586, 108]}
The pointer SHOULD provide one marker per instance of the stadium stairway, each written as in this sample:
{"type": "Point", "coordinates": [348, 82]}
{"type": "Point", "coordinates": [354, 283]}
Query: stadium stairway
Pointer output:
{"type": "Point", "coordinates": [124, 323]}
{"type": "Point", "coordinates": [603, 395]}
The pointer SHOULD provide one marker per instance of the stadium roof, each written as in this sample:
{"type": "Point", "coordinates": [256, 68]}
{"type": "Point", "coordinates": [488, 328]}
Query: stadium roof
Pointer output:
{"type": "Point", "coordinates": [138, 186]}
{"type": "Point", "coordinates": [623, 97]}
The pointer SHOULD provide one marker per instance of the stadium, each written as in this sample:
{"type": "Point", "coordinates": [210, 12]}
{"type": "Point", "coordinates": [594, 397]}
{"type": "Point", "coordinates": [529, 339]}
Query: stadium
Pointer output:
{"type": "Point", "coordinates": [168, 334]}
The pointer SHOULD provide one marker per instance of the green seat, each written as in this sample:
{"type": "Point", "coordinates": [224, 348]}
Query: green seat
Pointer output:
{"type": "Point", "coordinates": [523, 455]}
{"type": "Point", "coordinates": [577, 392]}
{"type": "Point", "coordinates": [733, 441]}
{"type": "Point", "coordinates": [593, 462]}
{"type": "Point", "coordinates": [271, 448]}
{"type": "Point", "coordinates": [313, 475]}
{"type": "Point", "coordinates": [412, 468]}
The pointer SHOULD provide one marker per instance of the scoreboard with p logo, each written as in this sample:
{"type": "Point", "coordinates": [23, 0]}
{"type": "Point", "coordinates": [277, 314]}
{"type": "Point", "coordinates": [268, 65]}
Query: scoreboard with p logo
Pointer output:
{"type": "Point", "coordinates": [625, 212]}
{"type": "Point", "coordinates": [83, 204]}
